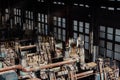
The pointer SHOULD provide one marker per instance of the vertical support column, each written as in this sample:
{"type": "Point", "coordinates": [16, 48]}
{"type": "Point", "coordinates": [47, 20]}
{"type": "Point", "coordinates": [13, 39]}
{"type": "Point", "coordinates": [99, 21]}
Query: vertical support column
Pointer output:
{"type": "Point", "coordinates": [95, 28]}
{"type": "Point", "coordinates": [49, 3]}
{"type": "Point", "coordinates": [0, 16]}
{"type": "Point", "coordinates": [69, 27]}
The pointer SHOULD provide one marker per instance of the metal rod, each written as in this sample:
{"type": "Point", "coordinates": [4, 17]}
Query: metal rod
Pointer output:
{"type": "Point", "coordinates": [36, 68]}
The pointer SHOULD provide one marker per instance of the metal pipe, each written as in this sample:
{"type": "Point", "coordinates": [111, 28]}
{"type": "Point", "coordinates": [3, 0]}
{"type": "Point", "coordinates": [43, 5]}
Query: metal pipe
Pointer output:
{"type": "Point", "coordinates": [10, 68]}
{"type": "Point", "coordinates": [84, 73]}
{"type": "Point", "coordinates": [57, 64]}
{"type": "Point", "coordinates": [36, 68]}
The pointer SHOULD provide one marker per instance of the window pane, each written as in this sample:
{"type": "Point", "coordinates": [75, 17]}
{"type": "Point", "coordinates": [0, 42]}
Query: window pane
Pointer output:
{"type": "Point", "coordinates": [45, 18]}
{"type": "Point", "coordinates": [117, 56]}
{"type": "Point", "coordinates": [75, 28]}
{"type": "Point", "coordinates": [86, 38]}
{"type": "Point", "coordinates": [59, 37]}
{"type": "Point", "coordinates": [19, 12]}
{"type": "Point", "coordinates": [63, 20]}
{"type": "Point", "coordinates": [86, 46]}
{"type": "Point", "coordinates": [102, 28]}
{"type": "Point", "coordinates": [54, 18]}
{"type": "Point", "coordinates": [55, 22]}
{"type": "Point", "coordinates": [102, 50]}
{"type": "Point", "coordinates": [38, 14]}
{"type": "Point", "coordinates": [39, 19]}
{"type": "Point", "coordinates": [63, 25]}
{"type": "Point", "coordinates": [87, 25]}
{"type": "Point", "coordinates": [110, 30]}
{"type": "Point", "coordinates": [46, 29]}
{"type": "Point", "coordinates": [64, 32]}
{"type": "Point", "coordinates": [42, 17]}
{"type": "Point", "coordinates": [43, 28]}
{"type": "Point", "coordinates": [39, 24]}
{"type": "Point", "coordinates": [59, 31]}
{"type": "Point", "coordinates": [80, 29]}
{"type": "Point", "coordinates": [75, 35]}
{"type": "Point", "coordinates": [6, 10]}
{"type": "Point", "coordinates": [117, 38]}
{"type": "Point", "coordinates": [80, 24]}
{"type": "Point", "coordinates": [102, 43]}
{"type": "Point", "coordinates": [14, 11]}
{"type": "Point", "coordinates": [26, 14]}
{"type": "Point", "coordinates": [109, 36]}
{"type": "Point", "coordinates": [29, 14]}
{"type": "Point", "coordinates": [117, 48]}
{"type": "Point", "coordinates": [118, 31]}
{"type": "Point", "coordinates": [102, 34]}
{"type": "Point", "coordinates": [59, 23]}
{"type": "Point", "coordinates": [75, 23]}
{"type": "Point", "coordinates": [87, 31]}
{"type": "Point", "coordinates": [109, 45]}
{"type": "Point", "coordinates": [63, 38]}
{"type": "Point", "coordinates": [109, 53]}
{"type": "Point", "coordinates": [59, 19]}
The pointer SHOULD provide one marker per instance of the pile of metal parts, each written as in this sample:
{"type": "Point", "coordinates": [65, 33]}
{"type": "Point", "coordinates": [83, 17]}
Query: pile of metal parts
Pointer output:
{"type": "Point", "coordinates": [46, 60]}
{"type": "Point", "coordinates": [107, 70]}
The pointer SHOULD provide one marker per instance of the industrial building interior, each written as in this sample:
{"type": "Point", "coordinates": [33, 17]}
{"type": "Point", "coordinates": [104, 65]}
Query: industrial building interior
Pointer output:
{"type": "Point", "coordinates": [59, 39]}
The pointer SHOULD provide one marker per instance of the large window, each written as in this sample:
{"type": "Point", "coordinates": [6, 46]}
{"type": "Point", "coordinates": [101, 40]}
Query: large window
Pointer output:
{"type": "Point", "coordinates": [102, 40]}
{"type": "Point", "coordinates": [28, 20]}
{"type": "Point", "coordinates": [59, 28]}
{"type": "Point", "coordinates": [82, 28]}
{"type": "Point", "coordinates": [106, 41]}
{"type": "Point", "coordinates": [109, 42]}
{"type": "Point", "coordinates": [17, 16]}
{"type": "Point", "coordinates": [117, 44]}
{"type": "Point", "coordinates": [43, 23]}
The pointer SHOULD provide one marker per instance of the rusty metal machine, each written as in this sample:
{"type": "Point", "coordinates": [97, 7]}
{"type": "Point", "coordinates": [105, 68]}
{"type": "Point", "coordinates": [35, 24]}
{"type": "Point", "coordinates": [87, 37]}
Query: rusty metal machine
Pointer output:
{"type": "Point", "coordinates": [46, 60]}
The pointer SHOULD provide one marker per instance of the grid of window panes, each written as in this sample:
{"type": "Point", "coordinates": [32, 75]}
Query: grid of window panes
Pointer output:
{"type": "Point", "coordinates": [81, 28]}
{"type": "Point", "coordinates": [6, 14]}
{"type": "Point", "coordinates": [109, 42]}
{"type": "Point", "coordinates": [117, 44]}
{"type": "Point", "coordinates": [59, 28]}
{"type": "Point", "coordinates": [17, 16]}
{"type": "Point", "coordinates": [87, 26]}
{"type": "Point", "coordinates": [106, 41]}
{"type": "Point", "coordinates": [29, 20]}
{"type": "Point", "coordinates": [43, 23]}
